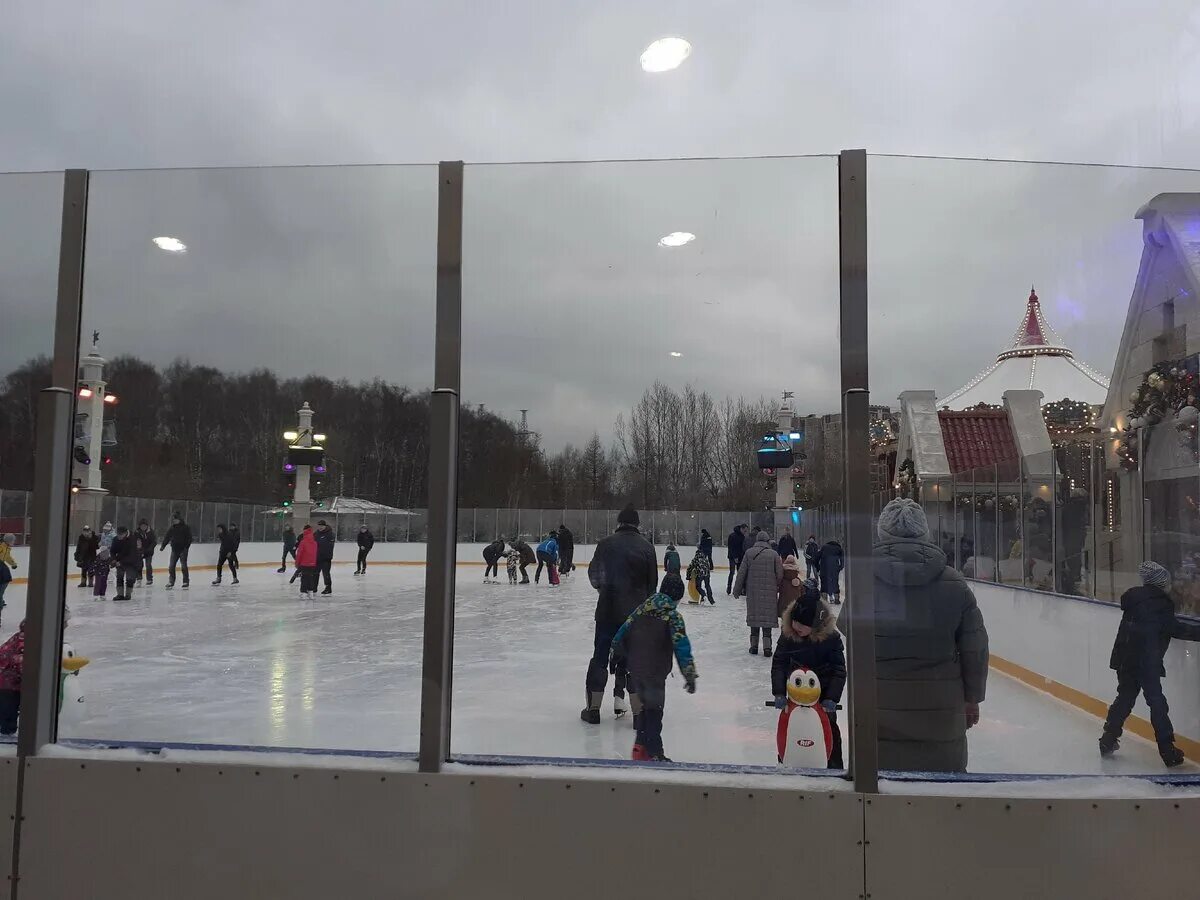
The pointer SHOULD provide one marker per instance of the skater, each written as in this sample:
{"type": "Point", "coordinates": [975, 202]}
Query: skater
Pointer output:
{"type": "Point", "coordinates": [809, 639]}
{"type": "Point", "coordinates": [107, 534]}
{"type": "Point", "coordinates": [179, 536]}
{"type": "Point", "coordinates": [528, 558]}
{"type": "Point", "coordinates": [830, 561]}
{"type": "Point", "coordinates": [787, 545]}
{"type": "Point", "coordinates": [736, 545]}
{"type": "Point", "coordinates": [147, 542]}
{"type": "Point", "coordinates": [12, 664]}
{"type": "Point", "coordinates": [547, 555]}
{"type": "Point", "coordinates": [566, 550]}
{"type": "Point", "coordinates": [931, 648]}
{"type": "Point", "coordinates": [511, 561]}
{"type": "Point", "coordinates": [306, 563]}
{"type": "Point", "coordinates": [699, 570]}
{"type": "Point", "coordinates": [648, 638]}
{"type": "Point", "coordinates": [491, 556]}
{"type": "Point", "coordinates": [127, 560]}
{"type": "Point", "coordinates": [289, 549]}
{"type": "Point", "coordinates": [671, 561]}
{"type": "Point", "coordinates": [226, 553]}
{"type": "Point", "coordinates": [812, 552]}
{"type": "Point", "coordinates": [86, 549]}
{"type": "Point", "coordinates": [624, 570]}
{"type": "Point", "coordinates": [1147, 625]}
{"type": "Point", "coordinates": [325, 540]}
{"type": "Point", "coordinates": [235, 536]}
{"type": "Point", "coordinates": [366, 541]}
{"type": "Point", "coordinates": [7, 564]}
{"type": "Point", "coordinates": [758, 581]}
{"type": "Point", "coordinates": [706, 546]}
{"type": "Point", "coordinates": [98, 574]}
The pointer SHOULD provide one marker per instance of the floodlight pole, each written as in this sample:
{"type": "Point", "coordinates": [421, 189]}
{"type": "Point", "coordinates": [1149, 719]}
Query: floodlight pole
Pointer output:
{"type": "Point", "coordinates": [302, 499]}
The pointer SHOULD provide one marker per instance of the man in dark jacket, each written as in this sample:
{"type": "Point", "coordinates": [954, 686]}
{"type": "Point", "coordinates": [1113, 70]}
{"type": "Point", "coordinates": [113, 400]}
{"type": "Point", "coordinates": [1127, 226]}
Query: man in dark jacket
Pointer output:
{"type": "Point", "coordinates": [809, 640]}
{"type": "Point", "coordinates": [491, 558]}
{"type": "Point", "coordinates": [931, 648]}
{"type": "Point", "coordinates": [179, 536]}
{"type": "Point", "coordinates": [624, 569]}
{"type": "Point", "coordinates": [812, 553]}
{"type": "Point", "coordinates": [787, 546]}
{"type": "Point", "coordinates": [127, 560]}
{"type": "Point", "coordinates": [705, 545]}
{"type": "Point", "coordinates": [830, 563]}
{"type": "Point", "coordinates": [227, 543]}
{"type": "Point", "coordinates": [1147, 625]}
{"type": "Point", "coordinates": [86, 549]}
{"type": "Point", "coordinates": [366, 541]}
{"type": "Point", "coordinates": [289, 547]}
{"type": "Point", "coordinates": [736, 544]}
{"type": "Point", "coordinates": [147, 542]}
{"type": "Point", "coordinates": [566, 550]}
{"type": "Point", "coordinates": [528, 558]}
{"type": "Point", "coordinates": [325, 540]}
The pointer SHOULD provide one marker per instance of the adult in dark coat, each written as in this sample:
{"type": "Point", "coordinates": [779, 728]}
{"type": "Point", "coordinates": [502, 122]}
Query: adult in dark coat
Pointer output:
{"type": "Point", "coordinates": [325, 540]}
{"type": "Point", "coordinates": [566, 550]}
{"type": "Point", "coordinates": [227, 552]}
{"type": "Point", "coordinates": [809, 639]}
{"type": "Point", "coordinates": [705, 545]}
{"type": "Point", "coordinates": [147, 542]}
{"type": "Point", "coordinates": [736, 545]}
{"type": "Point", "coordinates": [758, 581]}
{"type": "Point", "coordinates": [127, 560]}
{"type": "Point", "coordinates": [86, 549]}
{"type": "Point", "coordinates": [289, 548]}
{"type": "Point", "coordinates": [931, 648]}
{"type": "Point", "coordinates": [1147, 625]}
{"type": "Point", "coordinates": [528, 558]}
{"type": "Point", "coordinates": [491, 557]}
{"type": "Point", "coordinates": [787, 545]}
{"type": "Point", "coordinates": [366, 541]}
{"type": "Point", "coordinates": [179, 537]}
{"type": "Point", "coordinates": [624, 570]}
{"type": "Point", "coordinates": [830, 562]}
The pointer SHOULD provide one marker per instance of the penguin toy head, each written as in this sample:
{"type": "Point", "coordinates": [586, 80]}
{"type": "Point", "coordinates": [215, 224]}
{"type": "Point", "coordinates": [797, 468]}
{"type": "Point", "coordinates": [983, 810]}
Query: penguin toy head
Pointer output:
{"type": "Point", "coordinates": [803, 687]}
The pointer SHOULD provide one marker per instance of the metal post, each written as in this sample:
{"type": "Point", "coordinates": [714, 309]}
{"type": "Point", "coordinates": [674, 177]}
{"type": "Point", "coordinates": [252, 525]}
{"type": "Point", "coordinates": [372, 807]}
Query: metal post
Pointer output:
{"type": "Point", "coordinates": [438, 660]}
{"type": "Point", "coordinates": [856, 468]}
{"type": "Point", "coordinates": [1094, 488]}
{"type": "Point", "coordinates": [996, 521]}
{"type": "Point", "coordinates": [52, 485]}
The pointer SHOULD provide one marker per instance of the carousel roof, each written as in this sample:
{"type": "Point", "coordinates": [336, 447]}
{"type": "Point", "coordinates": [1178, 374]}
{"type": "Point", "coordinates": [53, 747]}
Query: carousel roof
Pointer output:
{"type": "Point", "coordinates": [1037, 359]}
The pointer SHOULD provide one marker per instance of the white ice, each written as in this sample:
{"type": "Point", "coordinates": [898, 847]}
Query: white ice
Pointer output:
{"type": "Point", "coordinates": [256, 665]}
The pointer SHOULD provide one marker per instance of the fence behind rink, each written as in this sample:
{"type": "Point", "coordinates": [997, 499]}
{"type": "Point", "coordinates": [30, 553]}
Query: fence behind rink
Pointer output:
{"type": "Point", "coordinates": [265, 523]}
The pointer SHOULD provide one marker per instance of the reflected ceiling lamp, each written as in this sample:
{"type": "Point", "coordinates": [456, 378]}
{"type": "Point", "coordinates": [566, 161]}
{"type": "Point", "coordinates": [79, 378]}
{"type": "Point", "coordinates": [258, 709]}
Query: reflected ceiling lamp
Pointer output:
{"type": "Point", "coordinates": [676, 239]}
{"type": "Point", "coordinates": [170, 244]}
{"type": "Point", "coordinates": [665, 54]}
{"type": "Point", "coordinates": [676, 354]}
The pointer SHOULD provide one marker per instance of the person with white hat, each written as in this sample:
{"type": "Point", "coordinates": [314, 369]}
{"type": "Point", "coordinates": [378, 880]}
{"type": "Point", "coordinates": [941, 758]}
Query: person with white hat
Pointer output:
{"type": "Point", "coordinates": [931, 648]}
{"type": "Point", "coordinates": [1147, 625]}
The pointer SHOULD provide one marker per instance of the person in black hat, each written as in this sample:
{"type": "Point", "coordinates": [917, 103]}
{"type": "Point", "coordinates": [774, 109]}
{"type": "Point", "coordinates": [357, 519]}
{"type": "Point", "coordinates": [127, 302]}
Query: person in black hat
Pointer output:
{"type": "Point", "coordinates": [809, 639]}
{"type": "Point", "coordinates": [624, 570]}
{"type": "Point", "coordinates": [325, 541]}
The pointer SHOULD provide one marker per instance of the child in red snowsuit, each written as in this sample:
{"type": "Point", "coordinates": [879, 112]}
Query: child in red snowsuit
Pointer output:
{"type": "Point", "coordinates": [12, 663]}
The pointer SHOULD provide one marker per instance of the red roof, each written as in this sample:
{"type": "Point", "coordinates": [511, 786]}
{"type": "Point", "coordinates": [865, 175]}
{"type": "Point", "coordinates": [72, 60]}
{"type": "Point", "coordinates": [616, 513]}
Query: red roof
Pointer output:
{"type": "Point", "coordinates": [976, 438]}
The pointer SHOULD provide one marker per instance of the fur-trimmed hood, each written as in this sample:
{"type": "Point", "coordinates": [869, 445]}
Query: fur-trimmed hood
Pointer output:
{"type": "Point", "coordinates": [825, 625]}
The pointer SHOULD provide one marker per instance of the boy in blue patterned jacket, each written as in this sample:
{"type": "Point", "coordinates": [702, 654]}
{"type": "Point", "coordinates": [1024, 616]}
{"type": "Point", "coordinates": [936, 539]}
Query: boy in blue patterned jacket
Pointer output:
{"type": "Point", "coordinates": [648, 639]}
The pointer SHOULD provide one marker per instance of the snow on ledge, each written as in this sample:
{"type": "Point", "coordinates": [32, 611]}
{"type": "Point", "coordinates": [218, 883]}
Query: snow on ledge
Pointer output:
{"type": "Point", "coordinates": [1099, 787]}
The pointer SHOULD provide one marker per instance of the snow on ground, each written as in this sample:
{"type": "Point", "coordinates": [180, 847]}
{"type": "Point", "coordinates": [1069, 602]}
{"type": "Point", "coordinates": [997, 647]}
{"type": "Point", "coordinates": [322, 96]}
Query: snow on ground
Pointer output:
{"type": "Point", "coordinates": [255, 665]}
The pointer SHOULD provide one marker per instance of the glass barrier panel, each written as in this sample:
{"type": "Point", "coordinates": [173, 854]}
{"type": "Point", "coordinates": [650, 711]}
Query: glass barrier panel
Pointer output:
{"type": "Point", "coordinates": [608, 307]}
{"type": "Point", "coordinates": [244, 315]}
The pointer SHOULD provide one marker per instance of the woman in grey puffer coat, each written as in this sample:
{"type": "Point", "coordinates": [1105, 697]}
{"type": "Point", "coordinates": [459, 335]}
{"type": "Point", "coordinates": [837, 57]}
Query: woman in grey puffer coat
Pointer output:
{"type": "Point", "coordinates": [931, 648]}
{"type": "Point", "coordinates": [758, 580]}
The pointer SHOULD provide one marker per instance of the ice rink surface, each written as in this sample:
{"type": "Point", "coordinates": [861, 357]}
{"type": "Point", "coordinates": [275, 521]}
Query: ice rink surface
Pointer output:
{"type": "Point", "coordinates": [254, 664]}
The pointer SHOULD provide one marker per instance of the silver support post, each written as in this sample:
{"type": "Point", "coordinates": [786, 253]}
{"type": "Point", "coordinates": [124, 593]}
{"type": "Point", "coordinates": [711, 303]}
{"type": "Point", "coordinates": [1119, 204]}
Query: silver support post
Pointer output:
{"type": "Point", "coordinates": [856, 469]}
{"type": "Point", "coordinates": [996, 522]}
{"type": "Point", "coordinates": [438, 661]}
{"type": "Point", "coordinates": [52, 486]}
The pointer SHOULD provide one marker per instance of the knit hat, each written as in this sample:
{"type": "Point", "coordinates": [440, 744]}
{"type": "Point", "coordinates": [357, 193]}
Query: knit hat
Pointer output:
{"type": "Point", "coordinates": [672, 586]}
{"type": "Point", "coordinates": [629, 516]}
{"type": "Point", "coordinates": [1154, 575]}
{"type": "Point", "coordinates": [903, 518]}
{"type": "Point", "coordinates": [10, 539]}
{"type": "Point", "coordinates": [807, 612]}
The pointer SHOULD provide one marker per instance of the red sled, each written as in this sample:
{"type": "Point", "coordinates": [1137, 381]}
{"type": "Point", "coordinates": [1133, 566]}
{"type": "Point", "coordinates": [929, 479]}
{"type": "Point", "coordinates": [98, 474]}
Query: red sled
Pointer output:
{"type": "Point", "coordinates": [553, 569]}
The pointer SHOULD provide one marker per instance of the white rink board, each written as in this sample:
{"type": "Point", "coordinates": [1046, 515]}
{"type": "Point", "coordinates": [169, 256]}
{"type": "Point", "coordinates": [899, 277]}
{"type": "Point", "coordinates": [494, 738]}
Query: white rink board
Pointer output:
{"type": "Point", "coordinates": [146, 830]}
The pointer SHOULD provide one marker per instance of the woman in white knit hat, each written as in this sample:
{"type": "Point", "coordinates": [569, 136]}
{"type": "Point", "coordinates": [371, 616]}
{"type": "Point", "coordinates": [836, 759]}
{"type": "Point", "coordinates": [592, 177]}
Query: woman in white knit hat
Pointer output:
{"type": "Point", "coordinates": [1147, 625]}
{"type": "Point", "coordinates": [931, 648]}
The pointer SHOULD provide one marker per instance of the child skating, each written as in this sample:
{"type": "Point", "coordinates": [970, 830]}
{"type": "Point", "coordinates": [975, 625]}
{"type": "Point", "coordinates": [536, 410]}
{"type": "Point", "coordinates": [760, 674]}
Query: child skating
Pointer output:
{"type": "Point", "coordinates": [699, 571]}
{"type": "Point", "coordinates": [101, 566]}
{"type": "Point", "coordinates": [648, 639]}
{"type": "Point", "coordinates": [512, 561]}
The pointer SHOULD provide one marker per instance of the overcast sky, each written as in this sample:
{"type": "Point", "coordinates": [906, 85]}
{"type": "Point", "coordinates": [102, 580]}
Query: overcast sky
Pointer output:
{"type": "Point", "coordinates": [570, 307]}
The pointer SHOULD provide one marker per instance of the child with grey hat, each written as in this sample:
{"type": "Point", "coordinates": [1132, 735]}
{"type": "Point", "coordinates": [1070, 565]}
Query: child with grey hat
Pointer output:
{"type": "Point", "coordinates": [1147, 625]}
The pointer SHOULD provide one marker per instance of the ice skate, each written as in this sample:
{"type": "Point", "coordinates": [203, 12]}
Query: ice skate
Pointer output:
{"type": "Point", "coordinates": [170, 584]}
{"type": "Point", "coordinates": [619, 707]}
{"type": "Point", "coordinates": [1108, 745]}
{"type": "Point", "coordinates": [767, 651]}
{"type": "Point", "coordinates": [327, 592]}
{"type": "Point", "coordinates": [280, 570]}
{"type": "Point", "coordinates": [218, 581]}
{"type": "Point", "coordinates": [1172, 756]}
{"type": "Point", "coordinates": [660, 758]}
{"type": "Point", "coordinates": [235, 581]}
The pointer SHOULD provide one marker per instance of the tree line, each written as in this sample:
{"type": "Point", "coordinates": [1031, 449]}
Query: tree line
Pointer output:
{"type": "Point", "coordinates": [192, 432]}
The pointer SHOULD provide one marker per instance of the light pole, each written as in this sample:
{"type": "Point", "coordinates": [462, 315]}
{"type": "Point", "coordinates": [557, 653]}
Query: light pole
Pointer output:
{"type": "Point", "coordinates": [303, 439]}
{"type": "Point", "coordinates": [88, 453]}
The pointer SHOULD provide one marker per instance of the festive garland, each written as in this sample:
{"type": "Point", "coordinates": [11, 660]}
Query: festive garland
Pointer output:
{"type": "Point", "coordinates": [1168, 388]}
